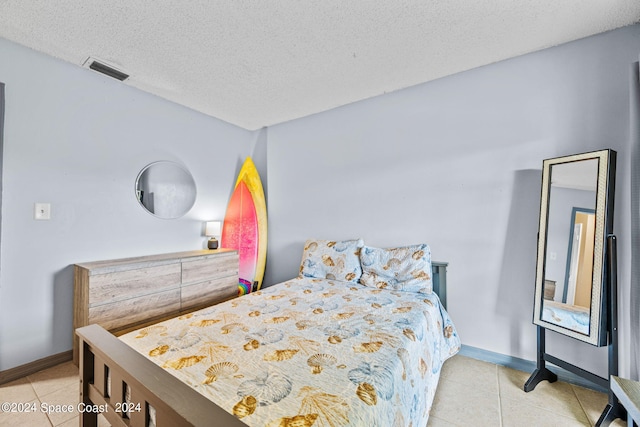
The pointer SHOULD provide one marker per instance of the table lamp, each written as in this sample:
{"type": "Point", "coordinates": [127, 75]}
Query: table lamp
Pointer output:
{"type": "Point", "coordinates": [212, 229]}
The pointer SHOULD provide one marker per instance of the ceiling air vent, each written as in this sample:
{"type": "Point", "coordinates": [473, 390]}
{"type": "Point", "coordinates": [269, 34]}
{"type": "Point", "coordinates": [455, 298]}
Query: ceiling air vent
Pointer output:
{"type": "Point", "coordinates": [101, 67]}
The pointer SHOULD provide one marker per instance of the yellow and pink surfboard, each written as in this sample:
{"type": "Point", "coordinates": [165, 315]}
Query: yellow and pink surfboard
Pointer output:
{"type": "Point", "coordinates": [245, 227]}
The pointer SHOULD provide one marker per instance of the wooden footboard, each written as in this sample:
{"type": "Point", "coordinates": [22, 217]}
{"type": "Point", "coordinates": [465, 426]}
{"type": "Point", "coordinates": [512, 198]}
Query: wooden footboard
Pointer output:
{"type": "Point", "coordinates": [110, 370]}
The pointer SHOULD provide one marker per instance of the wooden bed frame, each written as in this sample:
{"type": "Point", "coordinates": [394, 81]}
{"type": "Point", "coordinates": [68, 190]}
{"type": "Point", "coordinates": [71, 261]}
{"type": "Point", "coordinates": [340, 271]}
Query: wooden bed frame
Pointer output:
{"type": "Point", "coordinates": [102, 355]}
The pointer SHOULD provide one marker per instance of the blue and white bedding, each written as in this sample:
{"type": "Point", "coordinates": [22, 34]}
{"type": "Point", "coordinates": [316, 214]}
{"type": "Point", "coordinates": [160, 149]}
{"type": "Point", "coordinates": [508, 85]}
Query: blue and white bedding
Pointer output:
{"type": "Point", "coordinates": [311, 351]}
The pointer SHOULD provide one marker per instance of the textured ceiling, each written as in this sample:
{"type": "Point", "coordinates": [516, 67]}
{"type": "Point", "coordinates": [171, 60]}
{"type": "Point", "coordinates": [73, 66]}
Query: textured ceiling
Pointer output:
{"type": "Point", "coordinates": [258, 63]}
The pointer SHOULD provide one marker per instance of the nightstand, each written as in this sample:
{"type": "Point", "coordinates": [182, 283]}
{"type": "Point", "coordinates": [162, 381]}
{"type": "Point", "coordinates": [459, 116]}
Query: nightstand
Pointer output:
{"type": "Point", "coordinates": [628, 393]}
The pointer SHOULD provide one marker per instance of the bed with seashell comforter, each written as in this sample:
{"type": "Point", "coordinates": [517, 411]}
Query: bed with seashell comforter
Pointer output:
{"type": "Point", "coordinates": [308, 351]}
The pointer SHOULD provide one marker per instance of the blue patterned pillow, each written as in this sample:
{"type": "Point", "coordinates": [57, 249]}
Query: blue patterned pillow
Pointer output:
{"type": "Point", "coordinates": [335, 260]}
{"type": "Point", "coordinates": [404, 269]}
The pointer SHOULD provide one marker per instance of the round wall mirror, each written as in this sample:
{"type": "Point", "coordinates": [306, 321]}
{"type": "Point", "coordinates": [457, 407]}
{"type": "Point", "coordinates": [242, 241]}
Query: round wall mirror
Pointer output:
{"type": "Point", "coordinates": [166, 189]}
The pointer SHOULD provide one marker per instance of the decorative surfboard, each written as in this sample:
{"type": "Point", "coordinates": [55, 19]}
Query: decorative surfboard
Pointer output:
{"type": "Point", "coordinates": [245, 227]}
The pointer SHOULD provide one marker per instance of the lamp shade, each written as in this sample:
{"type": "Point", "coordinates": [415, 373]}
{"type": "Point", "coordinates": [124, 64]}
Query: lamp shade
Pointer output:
{"type": "Point", "coordinates": [213, 228]}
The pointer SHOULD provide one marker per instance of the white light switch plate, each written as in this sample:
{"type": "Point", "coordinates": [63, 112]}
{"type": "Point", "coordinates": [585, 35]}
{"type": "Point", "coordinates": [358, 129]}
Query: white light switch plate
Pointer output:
{"type": "Point", "coordinates": [42, 211]}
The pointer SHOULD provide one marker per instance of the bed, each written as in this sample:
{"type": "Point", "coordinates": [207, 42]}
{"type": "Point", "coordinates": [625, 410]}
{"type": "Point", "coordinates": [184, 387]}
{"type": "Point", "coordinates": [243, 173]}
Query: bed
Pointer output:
{"type": "Point", "coordinates": [348, 342]}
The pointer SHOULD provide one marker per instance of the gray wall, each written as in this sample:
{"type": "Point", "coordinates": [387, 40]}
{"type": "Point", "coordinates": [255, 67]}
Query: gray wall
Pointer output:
{"type": "Point", "coordinates": [456, 163]}
{"type": "Point", "coordinates": [77, 140]}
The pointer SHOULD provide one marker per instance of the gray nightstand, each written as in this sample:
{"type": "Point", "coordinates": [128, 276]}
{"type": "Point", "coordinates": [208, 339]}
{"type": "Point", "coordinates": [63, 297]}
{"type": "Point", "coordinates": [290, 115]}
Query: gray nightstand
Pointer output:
{"type": "Point", "coordinates": [628, 393]}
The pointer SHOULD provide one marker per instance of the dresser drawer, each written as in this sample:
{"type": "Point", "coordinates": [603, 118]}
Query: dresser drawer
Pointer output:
{"type": "Point", "coordinates": [135, 310]}
{"type": "Point", "coordinates": [124, 293]}
{"type": "Point", "coordinates": [209, 292]}
{"type": "Point", "coordinates": [122, 285]}
{"type": "Point", "coordinates": [209, 268]}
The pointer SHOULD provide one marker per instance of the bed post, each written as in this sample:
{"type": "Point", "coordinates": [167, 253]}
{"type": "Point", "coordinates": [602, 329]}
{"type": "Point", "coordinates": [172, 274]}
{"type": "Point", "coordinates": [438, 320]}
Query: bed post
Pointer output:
{"type": "Point", "coordinates": [87, 363]}
{"type": "Point", "coordinates": [439, 276]}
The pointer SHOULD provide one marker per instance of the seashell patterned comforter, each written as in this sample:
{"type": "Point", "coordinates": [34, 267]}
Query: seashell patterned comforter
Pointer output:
{"type": "Point", "coordinates": [311, 352]}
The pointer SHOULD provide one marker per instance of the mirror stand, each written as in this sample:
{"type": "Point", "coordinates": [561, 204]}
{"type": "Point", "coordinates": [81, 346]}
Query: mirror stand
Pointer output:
{"type": "Point", "coordinates": [542, 372]}
{"type": "Point", "coordinates": [613, 409]}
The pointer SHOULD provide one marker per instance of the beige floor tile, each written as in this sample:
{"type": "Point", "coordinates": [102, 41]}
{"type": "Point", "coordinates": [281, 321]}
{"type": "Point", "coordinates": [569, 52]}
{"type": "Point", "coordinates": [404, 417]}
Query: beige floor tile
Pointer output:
{"type": "Point", "coordinates": [592, 402]}
{"type": "Point", "coordinates": [474, 373]}
{"type": "Point", "coordinates": [102, 421]}
{"type": "Point", "coordinates": [17, 391]}
{"type": "Point", "coordinates": [460, 404]}
{"type": "Point", "coordinates": [470, 392]}
{"type": "Point", "coordinates": [31, 417]}
{"type": "Point", "coordinates": [52, 379]}
{"type": "Point", "coordinates": [437, 422]}
{"type": "Point", "coordinates": [515, 413]}
{"type": "Point", "coordinates": [618, 423]}
{"type": "Point", "coordinates": [73, 422]}
{"type": "Point", "coordinates": [61, 401]}
{"type": "Point", "coordinates": [557, 397]}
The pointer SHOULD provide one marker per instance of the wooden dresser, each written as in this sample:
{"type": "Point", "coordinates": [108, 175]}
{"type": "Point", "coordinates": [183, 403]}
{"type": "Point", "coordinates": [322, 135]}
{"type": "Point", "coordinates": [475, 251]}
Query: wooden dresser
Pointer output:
{"type": "Point", "coordinates": [124, 294]}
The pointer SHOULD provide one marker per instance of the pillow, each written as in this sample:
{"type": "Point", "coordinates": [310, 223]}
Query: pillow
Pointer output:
{"type": "Point", "coordinates": [403, 269]}
{"type": "Point", "coordinates": [335, 260]}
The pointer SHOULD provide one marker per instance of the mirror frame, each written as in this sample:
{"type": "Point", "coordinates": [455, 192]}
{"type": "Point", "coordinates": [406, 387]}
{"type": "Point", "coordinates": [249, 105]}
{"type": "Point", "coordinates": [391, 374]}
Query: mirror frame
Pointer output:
{"type": "Point", "coordinates": [178, 166]}
{"type": "Point", "coordinates": [604, 227]}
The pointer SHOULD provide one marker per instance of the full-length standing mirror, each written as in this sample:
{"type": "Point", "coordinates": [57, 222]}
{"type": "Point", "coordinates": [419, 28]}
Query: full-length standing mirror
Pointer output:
{"type": "Point", "coordinates": [576, 216]}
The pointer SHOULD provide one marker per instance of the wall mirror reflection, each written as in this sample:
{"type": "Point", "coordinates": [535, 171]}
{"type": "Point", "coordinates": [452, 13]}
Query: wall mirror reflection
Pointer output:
{"type": "Point", "coordinates": [165, 189]}
{"type": "Point", "coordinates": [575, 219]}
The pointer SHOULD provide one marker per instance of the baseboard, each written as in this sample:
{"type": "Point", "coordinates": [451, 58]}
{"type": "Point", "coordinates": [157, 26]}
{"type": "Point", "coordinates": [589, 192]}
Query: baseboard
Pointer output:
{"type": "Point", "coordinates": [35, 366]}
{"type": "Point", "coordinates": [526, 366]}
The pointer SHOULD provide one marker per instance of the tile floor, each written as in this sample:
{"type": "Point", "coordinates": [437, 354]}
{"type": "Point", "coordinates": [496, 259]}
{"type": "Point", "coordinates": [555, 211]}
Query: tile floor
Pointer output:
{"type": "Point", "coordinates": [470, 393]}
{"type": "Point", "coordinates": [475, 393]}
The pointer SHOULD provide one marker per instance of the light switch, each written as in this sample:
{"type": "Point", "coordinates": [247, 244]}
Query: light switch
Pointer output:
{"type": "Point", "coordinates": [42, 211]}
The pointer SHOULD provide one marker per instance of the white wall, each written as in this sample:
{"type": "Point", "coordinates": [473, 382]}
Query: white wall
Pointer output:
{"type": "Point", "coordinates": [77, 140]}
{"type": "Point", "coordinates": [457, 163]}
